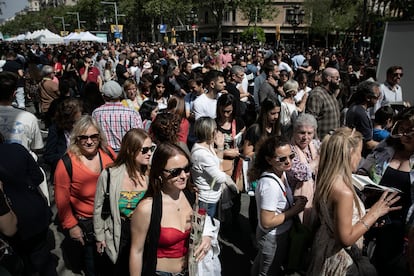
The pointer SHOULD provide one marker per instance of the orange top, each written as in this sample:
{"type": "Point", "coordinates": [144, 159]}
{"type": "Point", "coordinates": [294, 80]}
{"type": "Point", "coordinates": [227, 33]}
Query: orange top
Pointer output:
{"type": "Point", "coordinates": [76, 197]}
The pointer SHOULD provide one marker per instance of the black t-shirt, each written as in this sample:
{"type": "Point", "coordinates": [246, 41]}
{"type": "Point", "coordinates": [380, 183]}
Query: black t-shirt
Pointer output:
{"type": "Point", "coordinates": [228, 139]}
{"type": "Point", "coordinates": [14, 66]}
{"type": "Point", "coordinates": [120, 70]}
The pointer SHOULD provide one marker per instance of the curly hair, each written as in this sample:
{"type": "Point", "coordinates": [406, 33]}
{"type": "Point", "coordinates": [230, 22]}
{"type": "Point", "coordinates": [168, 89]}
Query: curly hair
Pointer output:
{"type": "Point", "coordinates": [67, 113]}
{"type": "Point", "coordinates": [165, 128]}
{"type": "Point", "coordinates": [266, 149]}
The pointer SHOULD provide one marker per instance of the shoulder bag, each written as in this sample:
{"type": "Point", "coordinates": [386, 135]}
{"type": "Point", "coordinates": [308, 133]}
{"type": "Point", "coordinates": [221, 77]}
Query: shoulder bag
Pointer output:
{"type": "Point", "coordinates": [106, 208]}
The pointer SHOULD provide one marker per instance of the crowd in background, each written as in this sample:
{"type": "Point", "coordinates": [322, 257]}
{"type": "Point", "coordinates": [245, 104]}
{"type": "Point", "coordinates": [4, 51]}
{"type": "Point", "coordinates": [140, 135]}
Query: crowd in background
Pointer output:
{"type": "Point", "coordinates": [169, 127]}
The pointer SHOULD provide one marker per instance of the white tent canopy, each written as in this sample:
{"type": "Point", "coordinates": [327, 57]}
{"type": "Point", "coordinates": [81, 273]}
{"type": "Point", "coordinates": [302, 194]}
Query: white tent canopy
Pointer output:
{"type": "Point", "coordinates": [71, 37]}
{"type": "Point", "coordinates": [87, 36]}
{"type": "Point", "coordinates": [83, 36]}
{"type": "Point", "coordinates": [20, 37]}
{"type": "Point", "coordinates": [45, 37]}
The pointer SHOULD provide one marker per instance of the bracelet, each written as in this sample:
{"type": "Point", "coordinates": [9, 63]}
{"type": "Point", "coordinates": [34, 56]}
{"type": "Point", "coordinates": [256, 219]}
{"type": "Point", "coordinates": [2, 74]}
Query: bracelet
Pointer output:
{"type": "Point", "coordinates": [220, 149]}
{"type": "Point", "coordinates": [364, 223]}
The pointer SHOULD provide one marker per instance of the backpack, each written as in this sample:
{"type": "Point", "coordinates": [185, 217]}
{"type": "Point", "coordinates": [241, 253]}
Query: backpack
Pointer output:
{"type": "Point", "coordinates": [68, 163]}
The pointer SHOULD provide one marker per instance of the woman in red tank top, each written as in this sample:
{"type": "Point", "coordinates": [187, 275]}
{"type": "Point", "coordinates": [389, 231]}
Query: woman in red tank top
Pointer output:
{"type": "Point", "coordinates": [161, 224]}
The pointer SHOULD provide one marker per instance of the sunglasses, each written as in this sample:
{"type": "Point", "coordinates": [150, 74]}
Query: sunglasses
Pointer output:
{"type": "Point", "coordinates": [145, 150]}
{"type": "Point", "coordinates": [283, 159]}
{"type": "Point", "coordinates": [398, 75]}
{"type": "Point", "coordinates": [397, 132]}
{"type": "Point", "coordinates": [85, 138]}
{"type": "Point", "coordinates": [177, 171]}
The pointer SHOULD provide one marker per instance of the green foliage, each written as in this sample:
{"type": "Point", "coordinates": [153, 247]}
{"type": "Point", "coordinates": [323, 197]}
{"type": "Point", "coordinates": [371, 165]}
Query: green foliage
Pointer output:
{"type": "Point", "coordinates": [328, 16]}
{"type": "Point", "coordinates": [253, 34]}
{"type": "Point", "coordinates": [265, 10]}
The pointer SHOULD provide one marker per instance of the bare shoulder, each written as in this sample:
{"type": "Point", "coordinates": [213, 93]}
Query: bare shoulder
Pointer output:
{"type": "Point", "coordinates": [142, 214]}
{"type": "Point", "coordinates": [145, 206]}
{"type": "Point", "coordinates": [340, 191]}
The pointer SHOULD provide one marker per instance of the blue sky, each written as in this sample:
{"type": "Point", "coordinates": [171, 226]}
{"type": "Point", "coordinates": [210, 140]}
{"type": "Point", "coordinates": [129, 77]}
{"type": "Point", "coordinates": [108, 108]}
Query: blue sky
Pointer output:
{"type": "Point", "coordinates": [11, 7]}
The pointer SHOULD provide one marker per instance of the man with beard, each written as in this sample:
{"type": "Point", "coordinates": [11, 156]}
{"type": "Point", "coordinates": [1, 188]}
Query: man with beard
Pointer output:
{"type": "Point", "coordinates": [357, 116]}
{"type": "Point", "coordinates": [205, 104]}
{"type": "Point", "coordinates": [268, 88]}
{"type": "Point", "coordinates": [391, 91]}
{"type": "Point", "coordinates": [322, 102]}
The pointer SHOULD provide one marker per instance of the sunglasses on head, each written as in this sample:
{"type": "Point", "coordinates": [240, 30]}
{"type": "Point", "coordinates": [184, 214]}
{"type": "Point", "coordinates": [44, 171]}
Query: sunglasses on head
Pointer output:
{"type": "Point", "coordinates": [145, 150]}
{"type": "Point", "coordinates": [177, 171]}
{"type": "Point", "coordinates": [93, 137]}
{"type": "Point", "coordinates": [284, 158]}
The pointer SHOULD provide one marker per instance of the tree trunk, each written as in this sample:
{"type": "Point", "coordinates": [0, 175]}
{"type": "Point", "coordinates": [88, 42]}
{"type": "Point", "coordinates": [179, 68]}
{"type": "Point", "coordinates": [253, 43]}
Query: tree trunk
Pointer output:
{"type": "Point", "coordinates": [153, 30]}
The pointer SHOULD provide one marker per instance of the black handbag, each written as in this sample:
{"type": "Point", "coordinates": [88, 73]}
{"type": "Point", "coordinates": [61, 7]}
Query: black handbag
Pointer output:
{"type": "Point", "coordinates": [106, 208]}
{"type": "Point", "coordinates": [361, 265]}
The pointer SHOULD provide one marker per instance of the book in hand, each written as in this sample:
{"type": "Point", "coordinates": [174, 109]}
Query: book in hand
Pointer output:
{"type": "Point", "coordinates": [362, 182]}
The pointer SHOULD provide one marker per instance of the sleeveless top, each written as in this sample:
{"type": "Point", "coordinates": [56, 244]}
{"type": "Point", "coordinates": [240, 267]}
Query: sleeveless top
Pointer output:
{"type": "Point", "coordinates": [128, 201]}
{"type": "Point", "coordinates": [173, 243]}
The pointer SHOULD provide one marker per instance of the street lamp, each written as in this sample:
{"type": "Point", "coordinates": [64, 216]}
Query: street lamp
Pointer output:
{"type": "Point", "coordinates": [295, 18]}
{"type": "Point", "coordinates": [116, 12]}
{"type": "Point", "coordinates": [77, 17]}
{"type": "Point", "coordinates": [192, 19]}
{"type": "Point", "coordinates": [63, 22]}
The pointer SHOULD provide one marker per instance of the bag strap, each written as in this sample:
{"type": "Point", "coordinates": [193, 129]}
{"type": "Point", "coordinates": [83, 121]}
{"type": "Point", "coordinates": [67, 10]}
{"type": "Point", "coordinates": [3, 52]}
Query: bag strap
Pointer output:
{"type": "Point", "coordinates": [108, 182]}
{"type": "Point", "coordinates": [280, 186]}
{"type": "Point", "coordinates": [68, 165]}
{"type": "Point", "coordinates": [68, 162]}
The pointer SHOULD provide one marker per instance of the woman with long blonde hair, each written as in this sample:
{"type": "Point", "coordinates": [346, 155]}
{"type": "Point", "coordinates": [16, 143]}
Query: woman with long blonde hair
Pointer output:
{"type": "Point", "coordinates": [335, 197]}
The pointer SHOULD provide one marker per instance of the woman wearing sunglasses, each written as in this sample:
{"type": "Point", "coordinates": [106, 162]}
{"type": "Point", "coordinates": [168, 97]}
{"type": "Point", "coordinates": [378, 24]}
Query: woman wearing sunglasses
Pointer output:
{"type": "Point", "coordinates": [128, 182]}
{"type": "Point", "coordinates": [206, 170]}
{"type": "Point", "coordinates": [275, 205]}
{"type": "Point", "coordinates": [75, 186]}
{"type": "Point", "coordinates": [391, 163]}
{"type": "Point", "coordinates": [161, 224]}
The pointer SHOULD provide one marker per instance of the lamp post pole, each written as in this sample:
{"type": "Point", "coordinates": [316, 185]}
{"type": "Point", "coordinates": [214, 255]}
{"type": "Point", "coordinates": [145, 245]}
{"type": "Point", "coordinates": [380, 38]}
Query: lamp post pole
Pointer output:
{"type": "Point", "coordinates": [116, 12]}
{"type": "Point", "coordinates": [63, 21]}
{"type": "Point", "coordinates": [77, 17]}
{"type": "Point", "coordinates": [295, 18]}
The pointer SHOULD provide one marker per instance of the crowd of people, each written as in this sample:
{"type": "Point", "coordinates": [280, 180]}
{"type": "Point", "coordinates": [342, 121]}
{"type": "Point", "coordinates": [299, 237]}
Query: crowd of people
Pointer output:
{"type": "Point", "coordinates": [140, 137]}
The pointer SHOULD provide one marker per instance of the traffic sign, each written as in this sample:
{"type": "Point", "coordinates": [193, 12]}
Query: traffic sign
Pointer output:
{"type": "Point", "coordinates": [163, 28]}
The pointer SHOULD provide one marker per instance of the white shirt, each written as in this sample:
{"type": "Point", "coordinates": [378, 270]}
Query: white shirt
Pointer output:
{"type": "Point", "coordinates": [21, 127]}
{"type": "Point", "coordinates": [271, 196]}
{"type": "Point", "coordinates": [205, 106]}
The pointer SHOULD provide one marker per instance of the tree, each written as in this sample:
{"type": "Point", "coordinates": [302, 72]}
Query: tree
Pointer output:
{"type": "Point", "coordinates": [257, 10]}
{"type": "Point", "coordinates": [217, 9]}
{"type": "Point", "coordinates": [253, 34]}
{"type": "Point", "coordinates": [330, 16]}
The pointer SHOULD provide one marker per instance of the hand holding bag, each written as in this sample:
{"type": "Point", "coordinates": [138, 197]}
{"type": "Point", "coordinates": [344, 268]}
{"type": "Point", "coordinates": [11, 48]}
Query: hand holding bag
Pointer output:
{"type": "Point", "coordinates": [106, 208]}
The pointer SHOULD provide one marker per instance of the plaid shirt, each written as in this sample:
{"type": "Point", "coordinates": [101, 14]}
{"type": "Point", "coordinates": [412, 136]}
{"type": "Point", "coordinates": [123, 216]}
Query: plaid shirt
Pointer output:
{"type": "Point", "coordinates": [324, 106]}
{"type": "Point", "coordinates": [115, 120]}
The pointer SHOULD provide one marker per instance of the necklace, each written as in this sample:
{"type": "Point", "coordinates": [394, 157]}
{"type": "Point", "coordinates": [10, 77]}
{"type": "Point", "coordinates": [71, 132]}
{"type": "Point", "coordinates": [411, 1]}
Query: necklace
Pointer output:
{"type": "Point", "coordinates": [174, 202]}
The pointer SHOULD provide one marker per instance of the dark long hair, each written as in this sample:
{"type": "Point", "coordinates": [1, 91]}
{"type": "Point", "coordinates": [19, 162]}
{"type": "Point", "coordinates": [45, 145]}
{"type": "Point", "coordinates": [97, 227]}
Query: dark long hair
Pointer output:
{"type": "Point", "coordinates": [268, 104]}
{"type": "Point", "coordinates": [223, 101]}
{"type": "Point", "coordinates": [131, 145]}
{"type": "Point", "coordinates": [162, 154]}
